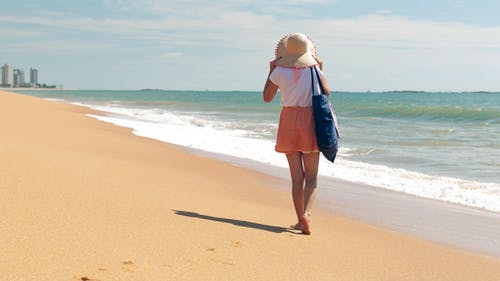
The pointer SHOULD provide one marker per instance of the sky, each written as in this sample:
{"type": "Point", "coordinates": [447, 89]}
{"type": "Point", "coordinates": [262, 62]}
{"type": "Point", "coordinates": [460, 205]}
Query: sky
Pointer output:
{"type": "Point", "coordinates": [366, 45]}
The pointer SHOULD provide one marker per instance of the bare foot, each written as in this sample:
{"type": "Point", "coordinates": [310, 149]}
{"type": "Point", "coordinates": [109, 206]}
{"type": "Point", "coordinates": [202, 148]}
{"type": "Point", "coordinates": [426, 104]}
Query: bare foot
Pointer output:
{"type": "Point", "coordinates": [304, 221]}
{"type": "Point", "coordinates": [297, 226]}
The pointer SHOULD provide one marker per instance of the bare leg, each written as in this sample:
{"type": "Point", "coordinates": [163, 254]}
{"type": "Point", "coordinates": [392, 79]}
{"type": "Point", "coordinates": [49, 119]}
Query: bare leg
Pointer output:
{"type": "Point", "coordinates": [303, 167]}
{"type": "Point", "coordinates": [297, 175]}
{"type": "Point", "coordinates": [311, 162]}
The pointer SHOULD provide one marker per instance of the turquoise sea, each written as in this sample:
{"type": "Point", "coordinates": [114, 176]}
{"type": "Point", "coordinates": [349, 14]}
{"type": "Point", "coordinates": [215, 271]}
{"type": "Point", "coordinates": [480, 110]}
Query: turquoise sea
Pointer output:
{"type": "Point", "coordinates": [444, 146]}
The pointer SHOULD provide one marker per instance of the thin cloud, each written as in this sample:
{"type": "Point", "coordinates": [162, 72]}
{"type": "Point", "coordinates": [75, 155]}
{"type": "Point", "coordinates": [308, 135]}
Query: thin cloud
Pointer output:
{"type": "Point", "coordinates": [55, 46]}
{"type": "Point", "coordinates": [384, 12]}
{"type": "Point", "coordinates": [13, 33]}
{"type": "Point", "coordinates": [172, 55]}
{"type": "Point", "coordinates": [400, 32]}
{"type": "Point", "coordinates": [243, 28]}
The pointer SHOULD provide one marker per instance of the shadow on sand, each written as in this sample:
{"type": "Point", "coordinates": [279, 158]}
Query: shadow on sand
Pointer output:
{"type": "Point", "coordinates": [265, 227]}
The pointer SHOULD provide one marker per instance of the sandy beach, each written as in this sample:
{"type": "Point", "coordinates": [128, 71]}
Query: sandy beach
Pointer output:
{"type": "Point", "coordinates": [86, 200]}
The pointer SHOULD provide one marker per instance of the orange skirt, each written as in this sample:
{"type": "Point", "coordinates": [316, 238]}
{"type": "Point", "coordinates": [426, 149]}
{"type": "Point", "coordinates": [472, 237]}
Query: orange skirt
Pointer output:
{"type": "Point", "coordinates": [296, 130]}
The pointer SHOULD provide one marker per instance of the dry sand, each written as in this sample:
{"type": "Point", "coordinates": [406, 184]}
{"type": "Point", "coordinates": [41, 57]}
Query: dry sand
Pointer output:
{"type": "Point", "coordinates": [84, 200]}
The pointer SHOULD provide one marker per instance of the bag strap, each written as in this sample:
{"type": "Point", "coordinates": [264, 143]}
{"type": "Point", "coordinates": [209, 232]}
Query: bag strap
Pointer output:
{"type": "Point", "coordinates": [319, 81]}
{"type": "Point", "coordinates": [324, 93]}
{"type": "Point", "coordinates": [312, 81]}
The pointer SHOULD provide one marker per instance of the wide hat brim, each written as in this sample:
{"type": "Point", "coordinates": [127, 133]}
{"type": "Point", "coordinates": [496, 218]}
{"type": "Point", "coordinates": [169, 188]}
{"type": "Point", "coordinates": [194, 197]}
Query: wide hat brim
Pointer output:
{"type": "Point", "coordinates": [295, 60]}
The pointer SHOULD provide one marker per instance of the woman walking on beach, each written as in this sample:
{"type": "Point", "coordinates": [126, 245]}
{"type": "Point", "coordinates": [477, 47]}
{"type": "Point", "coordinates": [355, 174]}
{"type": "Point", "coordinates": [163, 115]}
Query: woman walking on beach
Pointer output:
{"type": "Point", "coordinates": [290, 72]}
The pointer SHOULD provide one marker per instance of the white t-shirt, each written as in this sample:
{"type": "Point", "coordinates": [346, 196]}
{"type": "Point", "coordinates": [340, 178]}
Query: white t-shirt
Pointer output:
{"type": "Point", "coordinates": [295, 92]}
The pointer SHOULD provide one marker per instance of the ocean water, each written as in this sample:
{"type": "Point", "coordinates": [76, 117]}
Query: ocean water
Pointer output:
{"type": "Point", "coordinates": [444, 146]}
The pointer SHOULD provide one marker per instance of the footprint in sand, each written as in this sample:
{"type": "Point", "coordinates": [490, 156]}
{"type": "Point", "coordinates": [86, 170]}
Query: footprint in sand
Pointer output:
{"type": "Point", "coordinates": [236, 244]}
{"type": "Point", "coordinates": [224, 262]}
{"type": "Point", "coordinates": [128, 266]}
{"type": "Point", "coordinates": [85, 278]}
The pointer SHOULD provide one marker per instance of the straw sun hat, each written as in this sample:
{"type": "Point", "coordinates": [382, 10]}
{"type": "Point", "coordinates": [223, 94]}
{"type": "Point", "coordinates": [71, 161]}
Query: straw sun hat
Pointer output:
{"type": "Point", "coordinates": [296, 50]}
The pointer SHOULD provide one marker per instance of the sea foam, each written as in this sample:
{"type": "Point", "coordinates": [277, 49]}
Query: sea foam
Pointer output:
{"type": "Point", "coordinates": [192, 131]}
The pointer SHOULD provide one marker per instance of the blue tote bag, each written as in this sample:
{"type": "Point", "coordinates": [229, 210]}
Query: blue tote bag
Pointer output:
{"type": "Point", "coordinates": [327, 133]}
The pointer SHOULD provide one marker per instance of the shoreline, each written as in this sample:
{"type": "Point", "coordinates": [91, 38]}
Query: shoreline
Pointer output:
{"type": "Point", "coordinates": [84, 198]}
{"type": "Point", "coordinates": [397, 211]}
{"type": "Point", "coordinates": [386, 208]}
{"type": "Point", "coordinates": [446, 181]}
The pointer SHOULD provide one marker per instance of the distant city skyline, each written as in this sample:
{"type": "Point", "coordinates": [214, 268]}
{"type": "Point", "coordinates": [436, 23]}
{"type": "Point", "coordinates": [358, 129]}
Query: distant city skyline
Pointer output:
{"type": "Point", "coordinates": [446, 45]}
{"type": "Point", "coordinates": [11, 77]}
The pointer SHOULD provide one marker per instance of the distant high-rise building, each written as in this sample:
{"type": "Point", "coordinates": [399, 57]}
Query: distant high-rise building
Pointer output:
{"type": "Point", "coordinates": [7, 75]}
{"type": "Point", "coordinates": [18, 78]}
{"type": "Point", "coordinates": [34, 77]}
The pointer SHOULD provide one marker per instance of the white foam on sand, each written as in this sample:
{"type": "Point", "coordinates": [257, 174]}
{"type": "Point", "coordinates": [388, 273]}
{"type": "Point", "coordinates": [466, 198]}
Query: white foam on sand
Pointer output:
{"type": "Point", "coordinates": [194, 132]}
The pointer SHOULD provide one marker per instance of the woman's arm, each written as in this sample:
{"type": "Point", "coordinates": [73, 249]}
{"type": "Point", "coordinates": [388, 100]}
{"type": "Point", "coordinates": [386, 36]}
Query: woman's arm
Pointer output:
{"type": "Point", "coordinates": [270, 88]}
{"type": "Point", "coordinates": [325, 86]}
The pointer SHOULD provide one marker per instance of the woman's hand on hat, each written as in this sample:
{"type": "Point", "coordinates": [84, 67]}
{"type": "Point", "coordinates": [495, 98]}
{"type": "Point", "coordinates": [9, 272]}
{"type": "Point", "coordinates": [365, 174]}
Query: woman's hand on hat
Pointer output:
{"type": "Point", "coordinates": [272, 64]}
{"type": "Point", "coordinates": [320, 63]}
